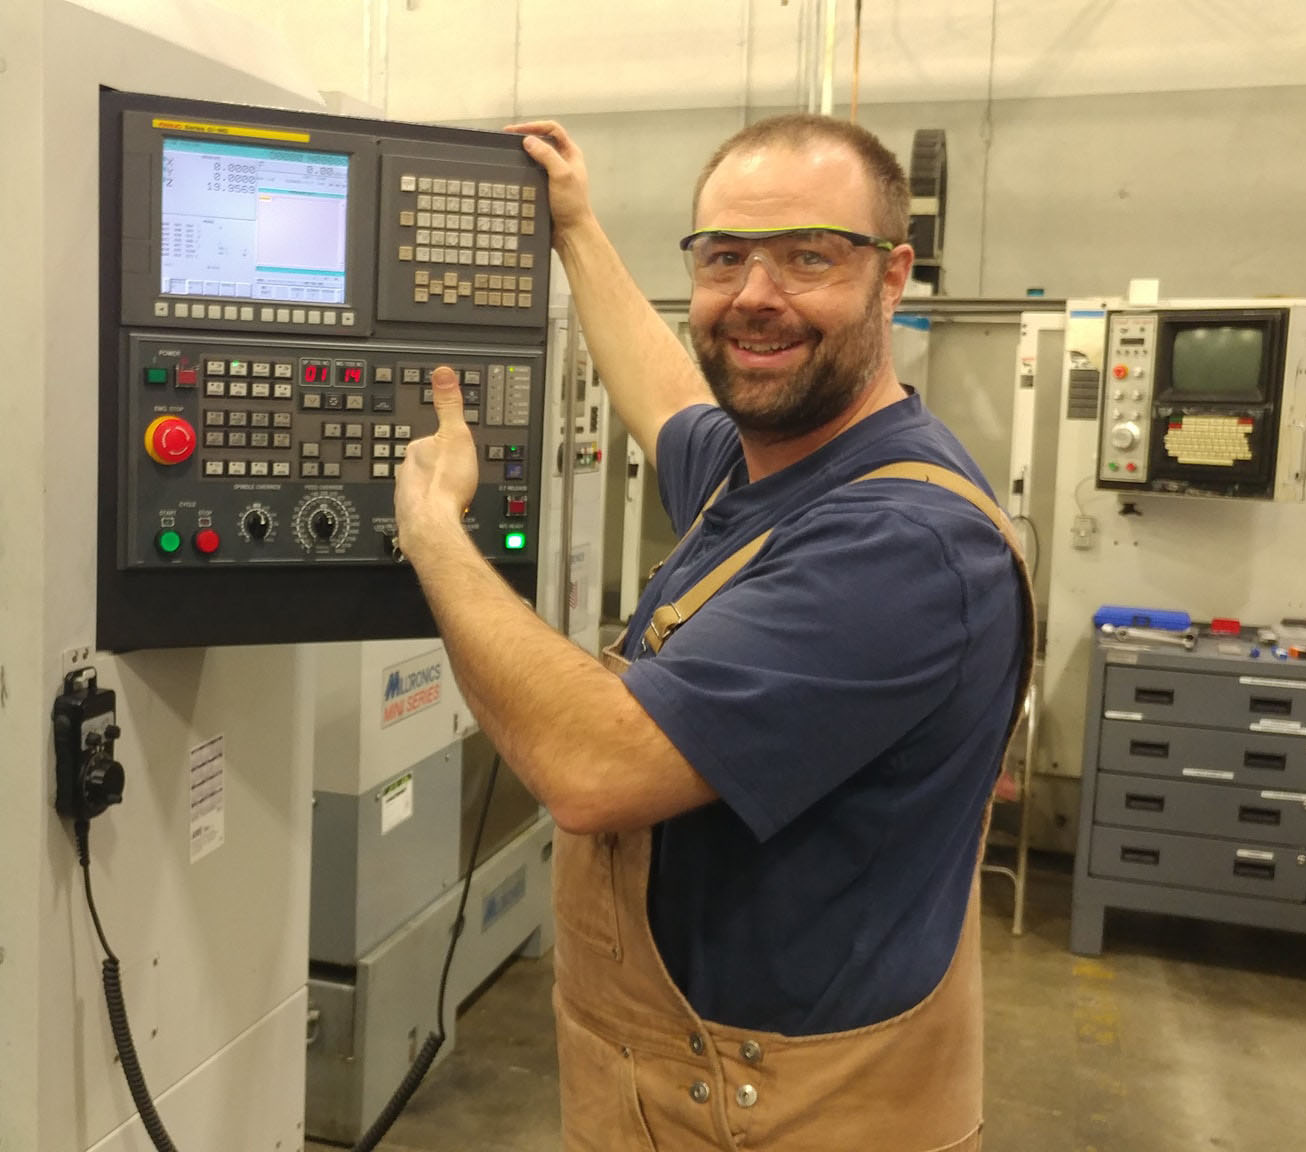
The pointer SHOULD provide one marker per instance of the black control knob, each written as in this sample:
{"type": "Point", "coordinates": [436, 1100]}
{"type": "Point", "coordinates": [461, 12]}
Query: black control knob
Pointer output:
{"type": "Point", "coordinates": [102, 784]}
{"type": "Point", "coordinates": [257, 524]}
{"type": "Point", "coordinates": [323, 524]}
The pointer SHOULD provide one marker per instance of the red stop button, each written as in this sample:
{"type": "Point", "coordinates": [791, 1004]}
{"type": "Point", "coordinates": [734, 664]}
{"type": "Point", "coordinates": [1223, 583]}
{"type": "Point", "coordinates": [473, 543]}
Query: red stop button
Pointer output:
{"type": "Point", "coordinates": [1120, 371]}
{"type": "Point", "coordinates": [170, 440]}
{"type": "Point", "coordinates": [207, 541]}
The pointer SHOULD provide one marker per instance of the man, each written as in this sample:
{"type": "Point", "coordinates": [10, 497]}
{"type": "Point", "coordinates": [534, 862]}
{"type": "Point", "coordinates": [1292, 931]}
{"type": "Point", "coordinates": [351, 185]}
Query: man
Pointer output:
{"type": "Point", "coordinates": [765, 874]}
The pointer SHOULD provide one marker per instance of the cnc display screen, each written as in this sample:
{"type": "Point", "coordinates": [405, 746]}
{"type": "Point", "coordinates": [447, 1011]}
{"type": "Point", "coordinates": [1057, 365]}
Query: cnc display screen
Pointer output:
{"type": "Point", "coordinates": [1224, 361]}
{"type": "Point", "coordinates": [253, 223]}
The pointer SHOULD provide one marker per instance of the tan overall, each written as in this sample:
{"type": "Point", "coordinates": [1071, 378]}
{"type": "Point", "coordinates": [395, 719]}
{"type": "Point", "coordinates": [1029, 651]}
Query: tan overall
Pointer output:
{"type": "Point", "coordinates": [641, 1070]}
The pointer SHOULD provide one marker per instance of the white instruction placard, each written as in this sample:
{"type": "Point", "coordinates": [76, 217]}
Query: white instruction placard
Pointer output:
{"type": "Point", "coordinates": [207, 802]}
{"type": "Point", "coordinates": [396, 802]}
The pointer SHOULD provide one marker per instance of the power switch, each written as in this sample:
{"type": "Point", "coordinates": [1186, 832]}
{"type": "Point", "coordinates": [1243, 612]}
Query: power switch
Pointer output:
{"type": "Point", "coordinates": [157, 375]}
{"type": "Point", "coordinates": [516, 506]}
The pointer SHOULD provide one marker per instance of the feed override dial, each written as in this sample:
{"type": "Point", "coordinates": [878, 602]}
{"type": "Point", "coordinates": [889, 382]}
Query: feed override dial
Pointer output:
{"type": "Point", "coordinates": [326, 523]}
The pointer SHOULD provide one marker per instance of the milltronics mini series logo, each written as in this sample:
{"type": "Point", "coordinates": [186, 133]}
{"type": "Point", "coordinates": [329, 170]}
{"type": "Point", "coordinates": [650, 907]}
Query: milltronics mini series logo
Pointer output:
{"type": "Point", "coordinates": [410, 687]}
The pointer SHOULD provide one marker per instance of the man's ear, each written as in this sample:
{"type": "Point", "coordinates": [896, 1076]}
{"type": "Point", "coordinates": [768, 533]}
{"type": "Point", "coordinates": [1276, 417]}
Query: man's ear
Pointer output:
{"type": "Point", "coordinates": [896, 272]}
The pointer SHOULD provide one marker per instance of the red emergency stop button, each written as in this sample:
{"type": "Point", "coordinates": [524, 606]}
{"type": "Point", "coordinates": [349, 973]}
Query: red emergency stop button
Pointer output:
{"type": "Point", "coordinates": [1120, 371]}
{"type": "Point", "coordinates": [170, 440]}
{"type": "Point", "coordinates": [206, 541]}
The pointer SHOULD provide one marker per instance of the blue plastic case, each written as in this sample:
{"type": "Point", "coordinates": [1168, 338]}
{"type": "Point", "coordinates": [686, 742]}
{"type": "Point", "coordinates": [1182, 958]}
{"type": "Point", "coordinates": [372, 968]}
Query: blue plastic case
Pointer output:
{"type": "Point", "coordinates": [1125, 617]}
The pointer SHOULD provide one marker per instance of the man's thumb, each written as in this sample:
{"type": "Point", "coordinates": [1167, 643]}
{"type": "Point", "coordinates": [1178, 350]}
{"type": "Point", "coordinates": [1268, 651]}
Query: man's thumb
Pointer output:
{"type": "Point", "coordinates": [448, 396]}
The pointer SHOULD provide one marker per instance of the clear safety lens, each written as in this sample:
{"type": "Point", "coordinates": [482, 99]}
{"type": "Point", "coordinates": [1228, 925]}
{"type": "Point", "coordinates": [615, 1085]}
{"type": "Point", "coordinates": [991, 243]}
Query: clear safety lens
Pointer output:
{"type": "Point", "coordinates": [798, 261]}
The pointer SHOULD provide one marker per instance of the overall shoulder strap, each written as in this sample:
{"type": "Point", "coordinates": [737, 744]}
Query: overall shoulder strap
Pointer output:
{"type": "Point", "coordinates": [667, 618]}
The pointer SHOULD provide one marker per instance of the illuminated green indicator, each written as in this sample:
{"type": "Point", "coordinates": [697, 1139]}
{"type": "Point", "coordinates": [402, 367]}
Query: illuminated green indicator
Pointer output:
{"type": "Point", "coordinates": [1113, 466]}
{"type": "Point", "coordinates": [156, 375]}
{"type": "Point", "coordinates": [168, 541]}
{"type": "Point", "coordinates": [515, 541]}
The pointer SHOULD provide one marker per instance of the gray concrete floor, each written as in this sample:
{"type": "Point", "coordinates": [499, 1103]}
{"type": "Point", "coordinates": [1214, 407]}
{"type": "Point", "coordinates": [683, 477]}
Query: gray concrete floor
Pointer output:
{"type": "Point", "coordinates": [1183, 1035]}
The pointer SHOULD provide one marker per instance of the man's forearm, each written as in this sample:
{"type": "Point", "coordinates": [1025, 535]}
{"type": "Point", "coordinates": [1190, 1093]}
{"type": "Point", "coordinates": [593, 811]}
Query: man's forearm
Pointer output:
{"type": "Point", "coordinates": [646, 370]}
{"type": "Point", "coordinates": [570, 729]}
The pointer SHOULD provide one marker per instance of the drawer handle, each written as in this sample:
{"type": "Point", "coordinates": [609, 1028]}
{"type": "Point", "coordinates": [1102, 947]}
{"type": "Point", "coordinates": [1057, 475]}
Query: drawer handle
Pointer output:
{"type": "Point", "coordinates": [1144, 803]}
{"type": "Point", "coordinates": [1271, 761]}
{"type": "Point", "coordinates": [1157, 749]}
{"type": "Point", "coordinates": [1140, 855]}
{"type": "Point", "coordinates": [1252, 870]}
{"type": "Point", "coordinates": [1270, 706]}
{"type": "Point", "coordinates": [1249, 815]}
{"type": "Point", "coordinates": [1153, 695]}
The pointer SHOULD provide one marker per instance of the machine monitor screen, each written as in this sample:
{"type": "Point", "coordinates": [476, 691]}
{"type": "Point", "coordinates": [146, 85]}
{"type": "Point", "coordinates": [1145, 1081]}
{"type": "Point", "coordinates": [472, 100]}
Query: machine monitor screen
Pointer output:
{"type": "Point", "coordinates": [251, 222]}
{"type": "Point", "coordinates": [1213, 360]}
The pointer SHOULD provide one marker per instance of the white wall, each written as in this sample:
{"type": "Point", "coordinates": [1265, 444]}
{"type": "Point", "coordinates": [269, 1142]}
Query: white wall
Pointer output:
{"type": "Point", "coordinates": [1088, 142]}
{"type": "Point", "coordinates": [432, 59]}
{"type": "Point", "coordinates": [214, 952]}
{"type": "Point", "coordinates": [23, 705]}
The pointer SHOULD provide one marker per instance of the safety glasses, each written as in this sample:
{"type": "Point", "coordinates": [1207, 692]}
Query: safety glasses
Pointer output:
{"type": "Point", "coordinates": [797, 259]}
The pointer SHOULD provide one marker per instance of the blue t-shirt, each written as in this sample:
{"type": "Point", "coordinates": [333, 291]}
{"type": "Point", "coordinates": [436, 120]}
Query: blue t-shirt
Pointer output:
{"type": "Point", "coordinates": [846, 694]}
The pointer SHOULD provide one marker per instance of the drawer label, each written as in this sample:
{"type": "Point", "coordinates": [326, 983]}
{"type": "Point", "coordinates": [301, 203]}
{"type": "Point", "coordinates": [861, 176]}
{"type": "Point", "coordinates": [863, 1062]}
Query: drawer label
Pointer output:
{"type": "Point", "coordinates": [1254, 854]}
{"type": "Point", "coordinates": [1113, 714]}
{"type": "Point", "coordinates": [1208, 773]}
{"type": "Point", "coordinates": [1283, 727]}
{"type": "Point", "coordinates": [1269, 682]}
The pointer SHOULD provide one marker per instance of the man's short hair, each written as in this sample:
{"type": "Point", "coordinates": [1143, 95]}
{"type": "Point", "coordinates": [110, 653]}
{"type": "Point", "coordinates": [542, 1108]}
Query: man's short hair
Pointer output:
{"type": "Point", "coordinates": [892, 212]}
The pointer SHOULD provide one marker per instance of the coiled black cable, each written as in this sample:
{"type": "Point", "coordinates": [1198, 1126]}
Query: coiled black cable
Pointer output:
{"type": "Point", "coordinates": [122, 1036]}
{"type": "Point", "coordinates": [122, 1033]}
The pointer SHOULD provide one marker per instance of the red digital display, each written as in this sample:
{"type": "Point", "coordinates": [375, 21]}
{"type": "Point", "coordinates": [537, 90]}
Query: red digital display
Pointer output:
{"type": "Point", "coordinates": [317, 371]}
{"type": "Point", "coordinates": [353, 375]}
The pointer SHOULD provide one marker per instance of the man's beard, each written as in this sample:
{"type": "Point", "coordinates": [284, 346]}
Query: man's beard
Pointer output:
{"type": "Point", "coordinates": [780, 405]}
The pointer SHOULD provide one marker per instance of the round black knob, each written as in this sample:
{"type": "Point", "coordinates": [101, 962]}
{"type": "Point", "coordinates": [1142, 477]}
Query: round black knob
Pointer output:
{"type": "Point", "coordinates": [323, 524]}
{"type": "Point", "coordinates": [103, 784]}
{"type": "Point", "coordinates": [257, 523]}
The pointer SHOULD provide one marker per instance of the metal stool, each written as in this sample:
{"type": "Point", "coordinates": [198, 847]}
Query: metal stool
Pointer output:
{"type": "Point", "coordinates": [1017, 875]}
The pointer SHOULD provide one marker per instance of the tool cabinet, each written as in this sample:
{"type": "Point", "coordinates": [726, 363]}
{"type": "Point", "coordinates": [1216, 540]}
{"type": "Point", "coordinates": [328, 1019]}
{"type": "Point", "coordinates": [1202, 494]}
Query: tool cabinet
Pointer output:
{"type": "Point", "coordinates": [1194, 787]}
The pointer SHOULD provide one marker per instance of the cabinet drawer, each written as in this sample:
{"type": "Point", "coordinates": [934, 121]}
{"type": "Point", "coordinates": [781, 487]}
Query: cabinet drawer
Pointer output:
{"type": "Point", "coordinates": [1245, 869]}
{"type": "Point", "coordinates": [1212, 700]}
{"type": "Point", "coordinates": [1199, 809]}
{"type": "Point", "coordinates": [1251, 759]}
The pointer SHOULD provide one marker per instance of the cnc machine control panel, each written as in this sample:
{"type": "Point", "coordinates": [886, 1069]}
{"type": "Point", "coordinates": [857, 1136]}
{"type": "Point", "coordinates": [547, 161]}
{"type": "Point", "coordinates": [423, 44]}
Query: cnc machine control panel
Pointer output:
{"type": "Point", "coordinates": [272, 452]}
{"type": "Point", "coordinates": [277, 288]}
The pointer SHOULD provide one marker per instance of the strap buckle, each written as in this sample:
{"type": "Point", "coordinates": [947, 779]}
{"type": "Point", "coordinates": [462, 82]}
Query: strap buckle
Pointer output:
{"type": "Point", "coordinates": [661, 626]}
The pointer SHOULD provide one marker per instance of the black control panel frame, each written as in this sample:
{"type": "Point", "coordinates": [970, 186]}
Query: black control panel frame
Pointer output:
{"type": "Point", "coordinates": [320, 596]}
